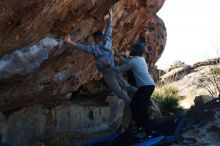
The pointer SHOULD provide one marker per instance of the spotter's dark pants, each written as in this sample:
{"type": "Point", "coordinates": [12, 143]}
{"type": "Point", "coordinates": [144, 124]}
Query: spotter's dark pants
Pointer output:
{"type": "Point", "coordinates": [139, 106]}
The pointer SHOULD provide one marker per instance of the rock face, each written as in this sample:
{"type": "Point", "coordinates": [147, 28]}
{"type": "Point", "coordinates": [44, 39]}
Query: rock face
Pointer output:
{"type": "Point", "coordinates": [202, 126]}
{"type": "Point", "coordinates": [39, 123]}
{"type": "Point", "coordinates": [179, 69]}
{"type": "Point", "coordinates": [36, 67]}
{"type": "Point", "coordinates": [202, 99]}
{"type": "Point", "coordinates": [39, 73]}
{"type": "Point", "coordinates": [201, 78]}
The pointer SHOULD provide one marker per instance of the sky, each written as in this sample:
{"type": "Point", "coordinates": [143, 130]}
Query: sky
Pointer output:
{"type": "Point", "coordinates": [193, 31]}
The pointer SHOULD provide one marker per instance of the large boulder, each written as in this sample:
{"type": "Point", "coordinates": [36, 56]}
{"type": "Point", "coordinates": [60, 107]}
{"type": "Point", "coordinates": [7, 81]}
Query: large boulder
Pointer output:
{"type": "Point", "coordinates": [179, 69]}
{"type": "Point", "coordinates": [85, 119]}
{"type": "Point", "coordinates": [202, 99]}
{"type": "Point", "coordinates": [202, 126]}
{"type": "Point", "coordinates": [154, 112]}
{"type": "Point", "coordinates": [195, 80]}
{"type": "Point", "coordinates": [36, 67]}
{"type": "Point", "coordinates": [39, 74]}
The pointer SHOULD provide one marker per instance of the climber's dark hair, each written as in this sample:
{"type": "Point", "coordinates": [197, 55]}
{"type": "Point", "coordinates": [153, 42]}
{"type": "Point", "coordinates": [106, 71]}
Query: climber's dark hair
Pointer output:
{"type": "Point", "coordinates": [98, 35]}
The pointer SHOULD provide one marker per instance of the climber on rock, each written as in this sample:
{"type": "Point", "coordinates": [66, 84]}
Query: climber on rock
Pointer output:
{"type": "Point", "coordinates": [102, 50]}
{"type": "Point", "coordinates": [144, 83]}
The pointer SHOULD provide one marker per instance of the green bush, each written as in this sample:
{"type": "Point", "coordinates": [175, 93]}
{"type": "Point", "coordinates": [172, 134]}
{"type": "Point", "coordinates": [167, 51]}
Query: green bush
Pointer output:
{"type": "Point", "coordinates": [168, 99]}
{"type": "Point", "coordinates": [170, 104]}
{"type": "Point", "coordinates": [212, 84]}
{"type": "Point", "coordinates": [165, 91]}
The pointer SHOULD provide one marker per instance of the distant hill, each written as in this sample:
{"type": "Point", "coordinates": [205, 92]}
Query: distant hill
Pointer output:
{"type": "Point", "coordinates": [193, 80]}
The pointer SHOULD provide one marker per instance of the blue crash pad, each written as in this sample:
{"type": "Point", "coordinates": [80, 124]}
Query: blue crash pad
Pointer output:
{"type": "Point", "coordinates": [169, 130]}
